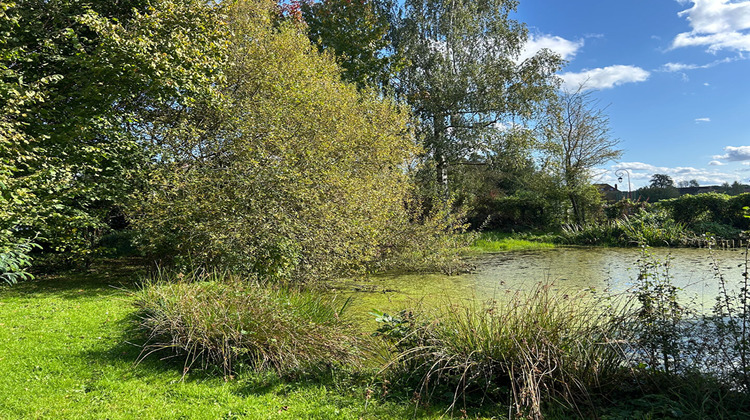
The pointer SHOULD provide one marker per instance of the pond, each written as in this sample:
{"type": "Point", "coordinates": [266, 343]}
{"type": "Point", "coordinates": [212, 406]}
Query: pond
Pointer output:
{"type": "Point", "coordinates": [571, 270]}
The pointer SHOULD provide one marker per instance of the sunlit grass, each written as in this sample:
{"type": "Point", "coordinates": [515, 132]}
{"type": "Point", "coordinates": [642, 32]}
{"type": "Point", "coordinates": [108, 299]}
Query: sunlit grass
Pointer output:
{"type": "Point", "coordinates": [66, 352]}
{"type": "Point", "coordinates": [498, 242]}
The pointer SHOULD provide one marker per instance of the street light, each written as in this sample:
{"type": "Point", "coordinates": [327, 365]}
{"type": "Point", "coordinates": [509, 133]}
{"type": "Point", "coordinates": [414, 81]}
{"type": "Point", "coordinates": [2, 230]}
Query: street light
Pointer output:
{"type": "Point", "coordinates": [619, 174]}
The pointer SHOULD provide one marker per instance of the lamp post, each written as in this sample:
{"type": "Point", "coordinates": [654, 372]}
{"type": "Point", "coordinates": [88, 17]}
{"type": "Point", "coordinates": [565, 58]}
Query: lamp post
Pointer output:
{"type": "Point", "coordinates": [619, 179]}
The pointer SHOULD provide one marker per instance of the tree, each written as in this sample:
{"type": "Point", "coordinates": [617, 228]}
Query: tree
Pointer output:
{"type": "Point", "coordinates": [661, 187]}
{"type": "Point", "coordinates": [94, 76]}
{"type": "Point", "coordinates": [737, 188]}
{"type": "Point", "coordinates": [297, 175]}
{"type": "Point", "coordinates": [462, 78]}
{"type": "Point", "coordinates": [688, 184]}
{"type": "Point", "coordinates": [661, 181]}
{"type": "Point", "coordinates": [357, 34]}
{"type": "Point", "coordinates": [579, 140]}
{"type": "Point", "coordinates": [16, 201]}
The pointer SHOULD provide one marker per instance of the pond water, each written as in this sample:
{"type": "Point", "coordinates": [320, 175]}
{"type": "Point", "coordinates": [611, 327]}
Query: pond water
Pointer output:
{"type": "Point", "coordinates": [571, 270]}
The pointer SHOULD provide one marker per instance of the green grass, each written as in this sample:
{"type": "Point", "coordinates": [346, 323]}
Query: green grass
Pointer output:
{"type": "Point", "coordinates": [65, 352]}
{"type": "Point", "coordinates": [68, 348]}
{"type": "Point", "coordinates": [498, 242]}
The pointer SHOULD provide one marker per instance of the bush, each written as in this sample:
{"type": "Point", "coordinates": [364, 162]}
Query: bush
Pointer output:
{"type": "Point", "coordinates": [14, 261]}
{"type": "Point", "coordinates": [651, 226]}
{"type": "Point", "coordinates": [537, 347]}
{"type": "Point", "coordinates": [298, 175]}
{"type": "Point", "coordinates": [221, 320]}
{"type": "Point", "coordinates": [426, 243]}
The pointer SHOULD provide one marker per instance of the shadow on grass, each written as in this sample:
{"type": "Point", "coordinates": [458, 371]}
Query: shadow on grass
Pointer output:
{"type": "Point", "coordinates": [325, 385]}
{"type": "Point", "coordinates": [106, 276]}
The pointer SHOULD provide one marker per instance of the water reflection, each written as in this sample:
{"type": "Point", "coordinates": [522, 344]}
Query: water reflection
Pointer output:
{"type": "Point", "coordinates": [570, 269]}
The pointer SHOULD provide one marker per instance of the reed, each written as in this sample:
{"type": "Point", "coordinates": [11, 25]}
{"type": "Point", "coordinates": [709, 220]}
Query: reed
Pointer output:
{"type": "Point", "coordinates": [219, 319]}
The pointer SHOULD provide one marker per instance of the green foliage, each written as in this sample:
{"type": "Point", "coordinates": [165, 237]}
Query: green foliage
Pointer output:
{"type": "Point", "coordinates": [578, 140]}
{"type": "Point", "coordinates": [14, 260]}
{"type": "Point", "coordinates": [523, 209]}
{"type": "Point", "coordinates": [661, 181]}
{"type": "Point", "coordinates": [728, 345]}
{"type": "Point", "coordinates": [661, 188]}
{"type": "Point", "coordinates": [534, 348]}
{"type": "Point", "coordinates": [426, 240]}
{"type": "Point", "coordinates": [652, 195]}
{"type": "Point", "coordinates": [714, 213]}
{"type": "Point", "coordinates": [356, 33]}
{"type": "Point", "coordinates": [299, 176]}
{"type": "Point", "coordinates": [495, 242]}
{"type": "Point", "coordinates": [82, 83]}
{"type": "Point", "coordinates": [225, 321]}
{"type": "Point", "coordinates": [653, 227]}
{"type": "Point", "coordinates": [623, 208]}
{"type": "Point", "coordinates": [460, 77]}
{"type": "Point", "coordinates": [659, 333]}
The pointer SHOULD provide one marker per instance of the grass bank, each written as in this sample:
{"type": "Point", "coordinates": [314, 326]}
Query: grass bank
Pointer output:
{"type": "Point", "coordinates": [499, 242]}
{"type": "Point", "coordinates": [67, 350]}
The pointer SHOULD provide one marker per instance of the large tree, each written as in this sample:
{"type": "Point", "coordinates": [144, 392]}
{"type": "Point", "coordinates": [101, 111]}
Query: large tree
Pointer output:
{"type": "Point", "coordinates": [462, 75]}
{"type": "Point", "coordinates": [661, 187]}
{"type": "Point", "coordinates": [579, 140]}
{"type": "Point", "coordinates": [92, 75]}
{"type": "Point", "coordinates": [298, 175]}
{"type": "Point", "coordinates": [356, 32]}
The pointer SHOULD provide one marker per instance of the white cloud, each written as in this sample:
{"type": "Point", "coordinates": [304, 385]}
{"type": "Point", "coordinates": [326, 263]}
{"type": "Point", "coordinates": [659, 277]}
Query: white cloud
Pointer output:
{"type": "Point", "coordinates": [638, 166]}
{"type": "Point", "coordinates": [735, 154]}
{"type": "Point", "coordinates": [716, 163]}
{"type": "Point", "coordinates": [677, 67]}
{"type": "Point", "coordinates": [565, 48]}
{"type": "Point", "coordinates": [641, 174]}
{"type": "Point", "coordinates": [604, 78]}
{"type": "Point", "coordinates": [715, 42]}
{"type": "Point", "coordinates": [713, 16]}
{"type": "Point", "coordinates": [702, 120]}
{"type": "Point", "coordinates": [717, 25]}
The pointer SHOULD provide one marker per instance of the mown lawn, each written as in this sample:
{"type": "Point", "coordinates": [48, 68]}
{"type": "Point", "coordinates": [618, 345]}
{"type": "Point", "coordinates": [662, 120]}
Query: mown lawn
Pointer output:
{"type": "Point", "coordinates": [67, 350]}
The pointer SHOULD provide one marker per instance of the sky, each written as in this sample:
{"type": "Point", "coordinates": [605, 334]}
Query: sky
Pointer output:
{"type": "Point", "coordinates": [673, 75]}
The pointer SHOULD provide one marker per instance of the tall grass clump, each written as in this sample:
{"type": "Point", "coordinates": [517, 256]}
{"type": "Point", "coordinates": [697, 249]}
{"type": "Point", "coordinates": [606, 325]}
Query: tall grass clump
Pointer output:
{"type": "Point", "coordinates": [224, 321]}
{"type": "Point", "coordinates": [533, 349]}
{"type": "Point", "coordinates": [647, 227]}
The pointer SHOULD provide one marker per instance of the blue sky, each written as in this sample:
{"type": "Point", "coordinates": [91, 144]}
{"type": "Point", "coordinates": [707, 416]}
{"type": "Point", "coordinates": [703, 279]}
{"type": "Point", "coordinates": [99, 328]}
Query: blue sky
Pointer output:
{"type": "Point", "coordinates": [674, 76]}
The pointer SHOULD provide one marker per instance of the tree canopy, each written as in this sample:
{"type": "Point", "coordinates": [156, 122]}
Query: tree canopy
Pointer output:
{"type": "Point", "coordinates": [88, 78]}
{"type": "Point", "coordinates": [579, 140]}
{"type": "Point", "coordinates": [299, 175]}
{"type": "Point", "coordinates": [357, 34]}
{"type": "Point", "coordinates": [462, 76]}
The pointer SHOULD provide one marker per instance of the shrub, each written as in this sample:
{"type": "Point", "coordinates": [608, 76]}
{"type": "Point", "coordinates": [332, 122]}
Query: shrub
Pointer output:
{"type": "Point", "coordinates": [298, 174]}
{"type": "Point", "coordinates": [221, 320]}
{"type": "Point", "coordinates": [536, 348]}
{"type": "Point", "coordinates": [14, 261]}
{"type": "Point", "coordinates": [659, 323]}
{"type": "Point", "coordinates": [426, 243]}
{"type": "Point", "coordinates": [609, 233]}
{"type": "Point", "coordinates": [653, 227]}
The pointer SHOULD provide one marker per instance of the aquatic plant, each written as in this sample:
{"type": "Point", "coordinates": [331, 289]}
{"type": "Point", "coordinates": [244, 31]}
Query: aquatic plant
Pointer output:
{"type": "Point", "coordinates": [528, 350]}
{"type": "Point", "coordinates": [219, 319]}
